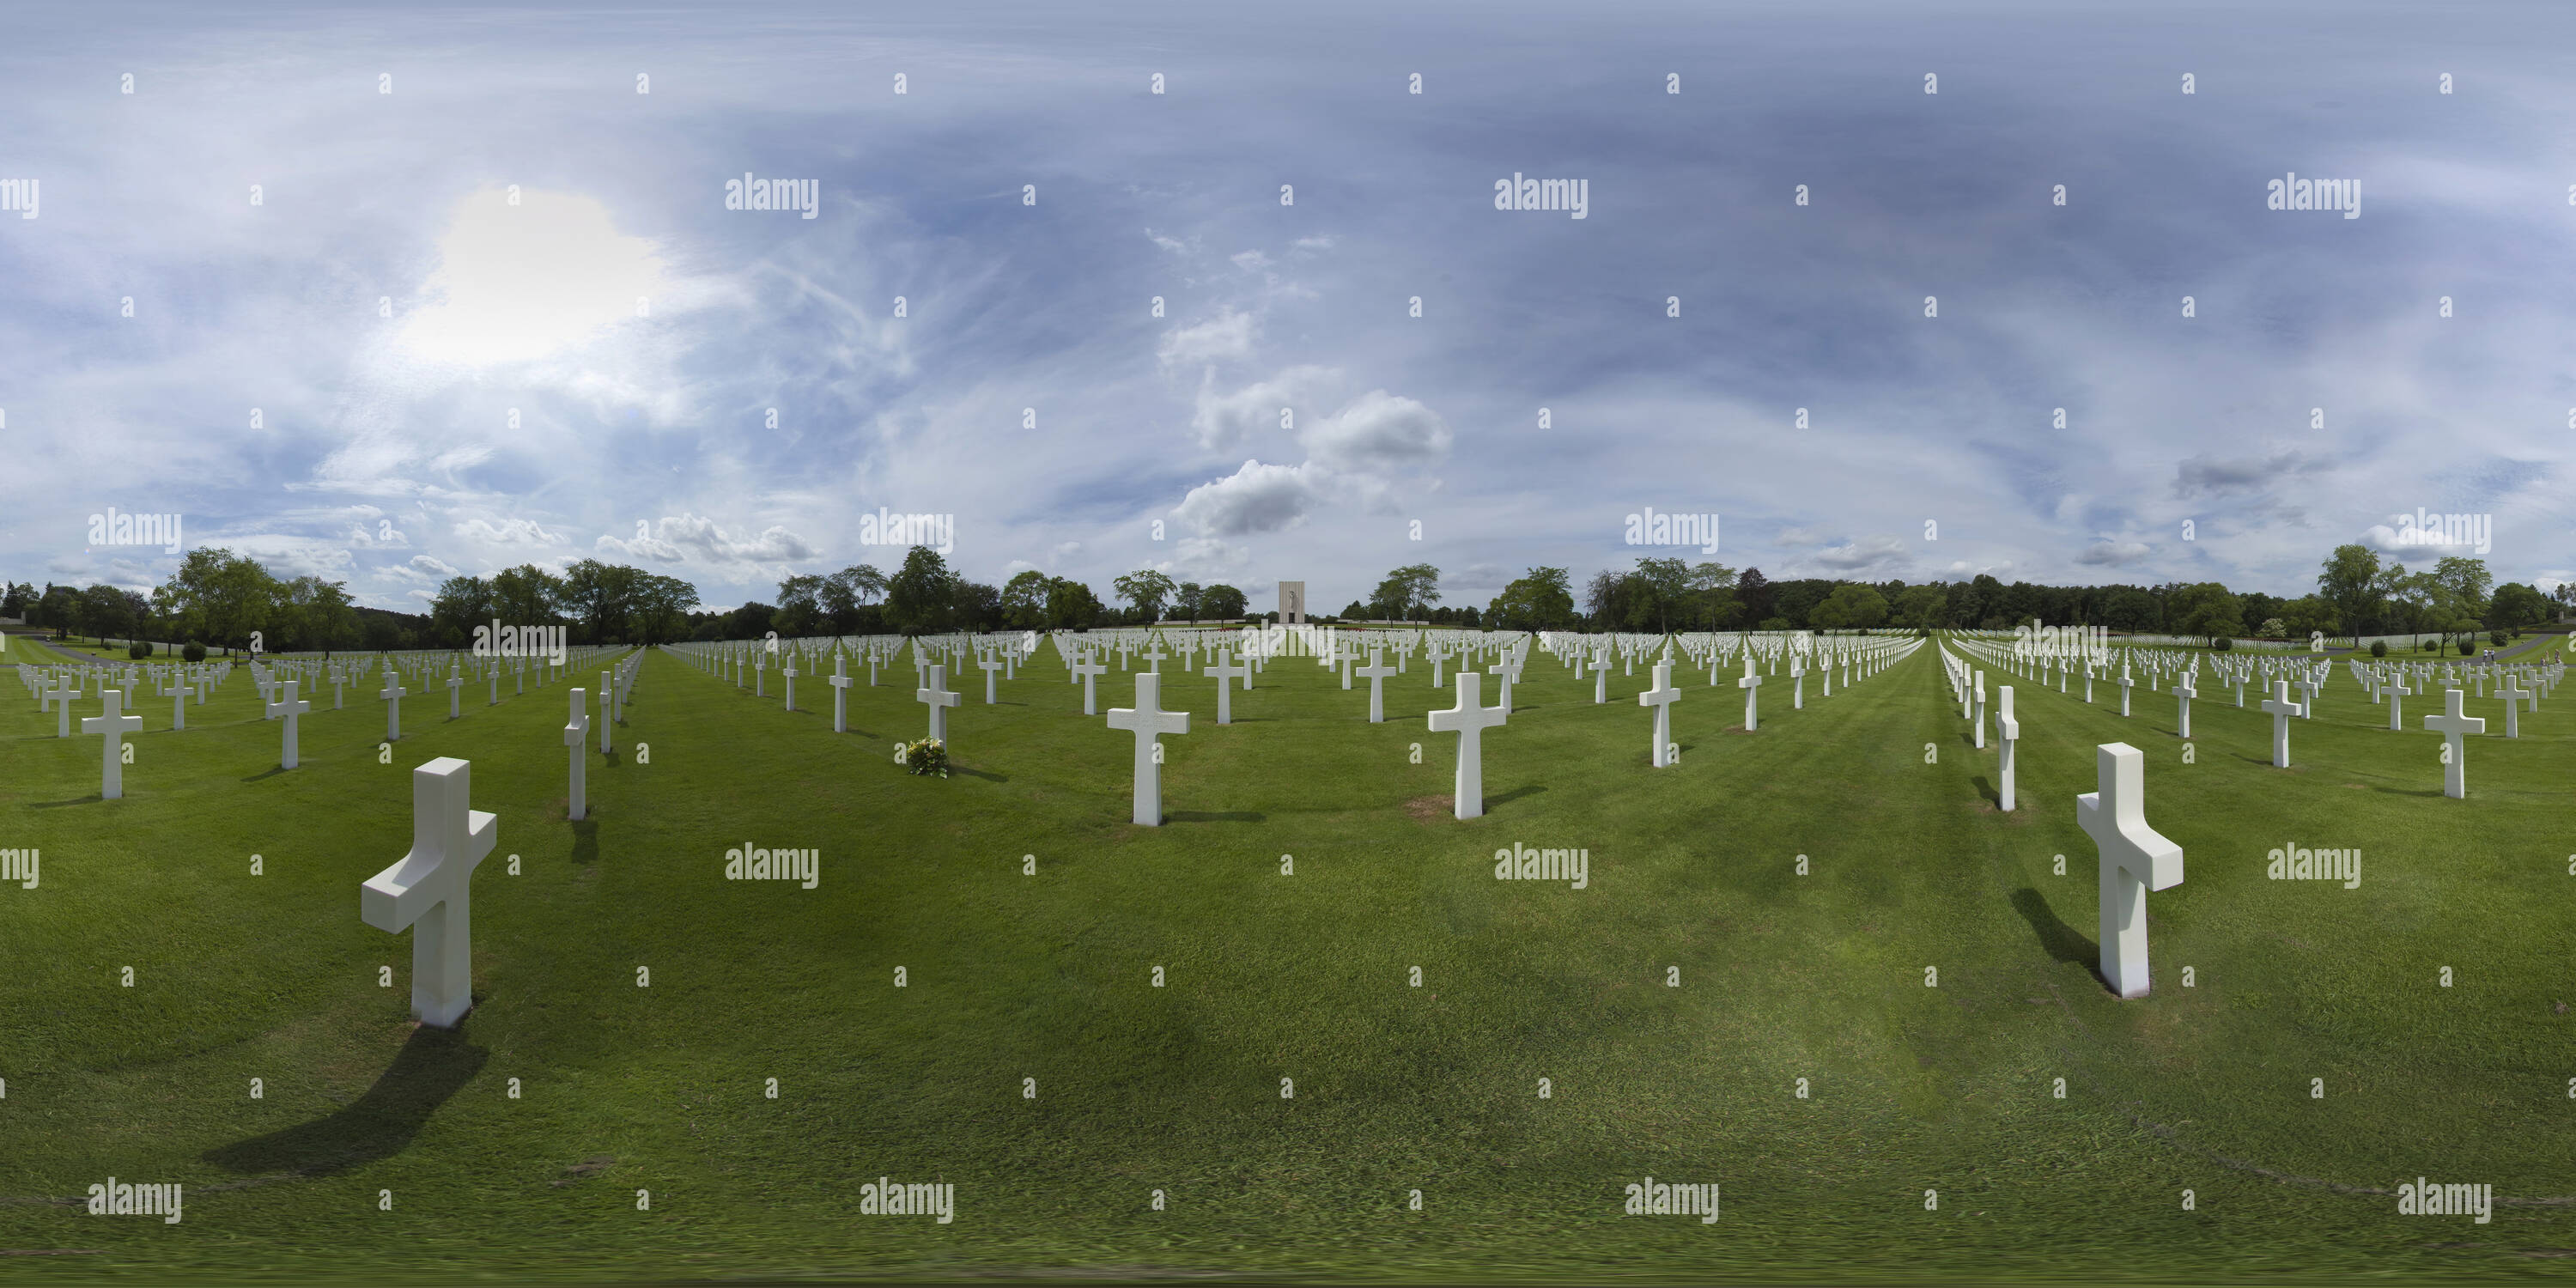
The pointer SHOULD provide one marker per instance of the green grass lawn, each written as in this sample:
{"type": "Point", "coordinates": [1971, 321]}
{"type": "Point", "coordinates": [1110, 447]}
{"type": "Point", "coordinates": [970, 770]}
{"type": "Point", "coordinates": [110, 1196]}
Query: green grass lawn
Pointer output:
{"type": "Point", "coordinates": [1434, 1088]}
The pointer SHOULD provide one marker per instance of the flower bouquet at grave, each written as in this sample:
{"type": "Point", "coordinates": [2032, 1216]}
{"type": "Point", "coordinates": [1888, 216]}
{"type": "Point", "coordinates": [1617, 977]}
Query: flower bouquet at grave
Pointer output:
{"type": "Point", "coordinates": [928, 756]}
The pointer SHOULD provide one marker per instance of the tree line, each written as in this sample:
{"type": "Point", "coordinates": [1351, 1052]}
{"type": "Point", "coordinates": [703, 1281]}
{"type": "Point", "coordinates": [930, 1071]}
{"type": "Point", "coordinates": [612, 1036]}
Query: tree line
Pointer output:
{"type": "Point", "coordinates": [2357, 594]}
{"type": "Point", "coordinates": [224, 600]}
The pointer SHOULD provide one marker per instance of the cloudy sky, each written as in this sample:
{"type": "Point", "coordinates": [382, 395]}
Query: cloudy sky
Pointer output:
{"type": "Point", "coordinates": [385, 371]}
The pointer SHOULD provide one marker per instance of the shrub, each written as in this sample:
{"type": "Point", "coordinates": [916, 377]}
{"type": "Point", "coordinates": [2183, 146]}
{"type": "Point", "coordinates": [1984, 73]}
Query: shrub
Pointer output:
{"type": "Point", "coordinates": [2497, 636]}
{"type": "Point", "coordinates": [928, 756]}
{"type": "Point", "coordinates": [193, 651]}
{"type": "Point", "coordinates": [137, 649]}
{"type": "Point", "coordinates": [2223, 644]}
{"type": "Point", "coordinates": [2379, 648]}
{"type": "Point", "coordinates": [2468, 646]}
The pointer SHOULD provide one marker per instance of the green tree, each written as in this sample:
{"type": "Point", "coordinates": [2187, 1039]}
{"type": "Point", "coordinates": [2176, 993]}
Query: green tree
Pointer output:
{"type": "Point", "coordinates": [527, 596]}
{"type": "Point", "coordinates": [662, 606]}
{"type": "Point", "coordinates": [800, 607]}
{"type": "Point", "coordinates": [1148, 590]}
{"type": "Point", "coordinates": [460, 604]}
{"type": "Point", "coordinates": [1541, 600]}
{"type": "Point", "coordinates": [1712, 590]}
{"type": "Point", "coordinates": [601, 597]}
{"type": "Point", "coordinates": [1850, 606]}
{"type": "Point", "coordinates": [1071, 605]}
{"type": "Point", "coordinates": [2205, 610]}
{"type": "Point", "coordinates": [1925, 607]}
{"type": "Point", "coordinates": [1406, 594]}
{"type": "Point", "coordinates": [2353, 581]}
{"type": "Point", "coordinates": [922, 595]}
{"type": "Point", "coordinates": [1221, 603]}
{"type": "Point", "coordinates": [1024, 600]}
{"type": "Point", "coordinates": [2515, 606]}
{"type": "Point", "coordinates": [221, 597]}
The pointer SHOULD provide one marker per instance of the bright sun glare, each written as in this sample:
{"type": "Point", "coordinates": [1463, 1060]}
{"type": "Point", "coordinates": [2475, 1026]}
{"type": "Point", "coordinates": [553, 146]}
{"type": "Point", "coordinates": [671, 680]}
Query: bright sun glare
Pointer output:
{"type": "Point", "coordinates": [517, 283]}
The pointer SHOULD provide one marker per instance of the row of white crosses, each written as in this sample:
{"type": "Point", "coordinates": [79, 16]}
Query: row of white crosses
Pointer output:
{"type": "Point", "coordinates": [2134, 857]}
{"type": "Point", "coordinates": [2453, 723]}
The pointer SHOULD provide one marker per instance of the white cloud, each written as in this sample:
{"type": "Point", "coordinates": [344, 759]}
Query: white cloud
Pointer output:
{"type": "Point", "coordinates": [1867, 554]}
{"type": "Point", "coordinates": [421, 568]}
{"type": "Point", "coordinates": [2114, 554]}
{"type": "Point", "coordinates": [688, 538]}
{"type": "Point", "coordinates": [508, 532]}
{"type": "Point", "coordinates": [1256, 498]}
{"type": "Point", "coordinates": [1227, 336]}
{"type": "Point", "coordinates": [1378, 429]}
{"type": "Point", "coordinates": [1222, 421]}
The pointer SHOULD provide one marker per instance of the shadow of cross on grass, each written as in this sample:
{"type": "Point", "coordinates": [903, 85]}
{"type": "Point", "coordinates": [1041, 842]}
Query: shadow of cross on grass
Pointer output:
{"type": "Point", "coordinates": [2062, 941]}
{"type": "Point", "coordinates": [431, 1067]}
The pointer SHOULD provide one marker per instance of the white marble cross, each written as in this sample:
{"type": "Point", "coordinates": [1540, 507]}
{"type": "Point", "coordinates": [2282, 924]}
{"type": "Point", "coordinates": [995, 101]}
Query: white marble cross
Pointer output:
{"type": "Point", "coordinates": [1981, 710]}
{"type": "Point", "coordinates": [113, 726]}
{"type": "Point", "coordinates": [179, 701]}
{"type": "Point", "coordinates": [1376, 671]}
{"type": "Point", "coordinates": [1469, 719]}
{"type": "Point", "coordinates": [2308, 697]}
{"type": "Point", "coordinates": [1798, 684]}
{"type": "Point", "coordinates": [1090, 668]}
{"type": "Point", "coordinates": [2397, 694]}
{"type": "Point", "coordinates": [841, 681]}
{"type": "Point", "coordinates": [576, 735]}
{"type": "Point", "coordinates": [1223, 672]}
{"type": "Point", "coordinates": [2185, 691]}
{"type": "Point", "coordinates": [935, 694]}
{"type": "Point", "coordinates": [1751, 684]}
{"type": "Point", "coordinates": [430, 890]}
{"type": "Point", "coordinates": [989, 665]}
{"type": "Point", "coordinates": [790, 673]}
{"type": "Point", "coordinates": [2135, 859]}
{"type": "Point", "coordinates": [455, 682]}
{"type": "Point", "coordinates": [2451, 724]}
{"type": "Point", "coordinates": [1146, 720]}
{"type": "Point", "coordinates": [2509, 688]}
{"type": "Point", "coordinates": [2007, 732]}
{"type": "Point", "coordinates": [2282, 709]}
{"type": "Point", "coordinates": [289, 706]}
{"type": "Point", "coordinates": [2126, 683]}
{"type": "Point", "coordinates": [393, 696]}
{"type": "Point", "coordinates": [1661, 697]}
